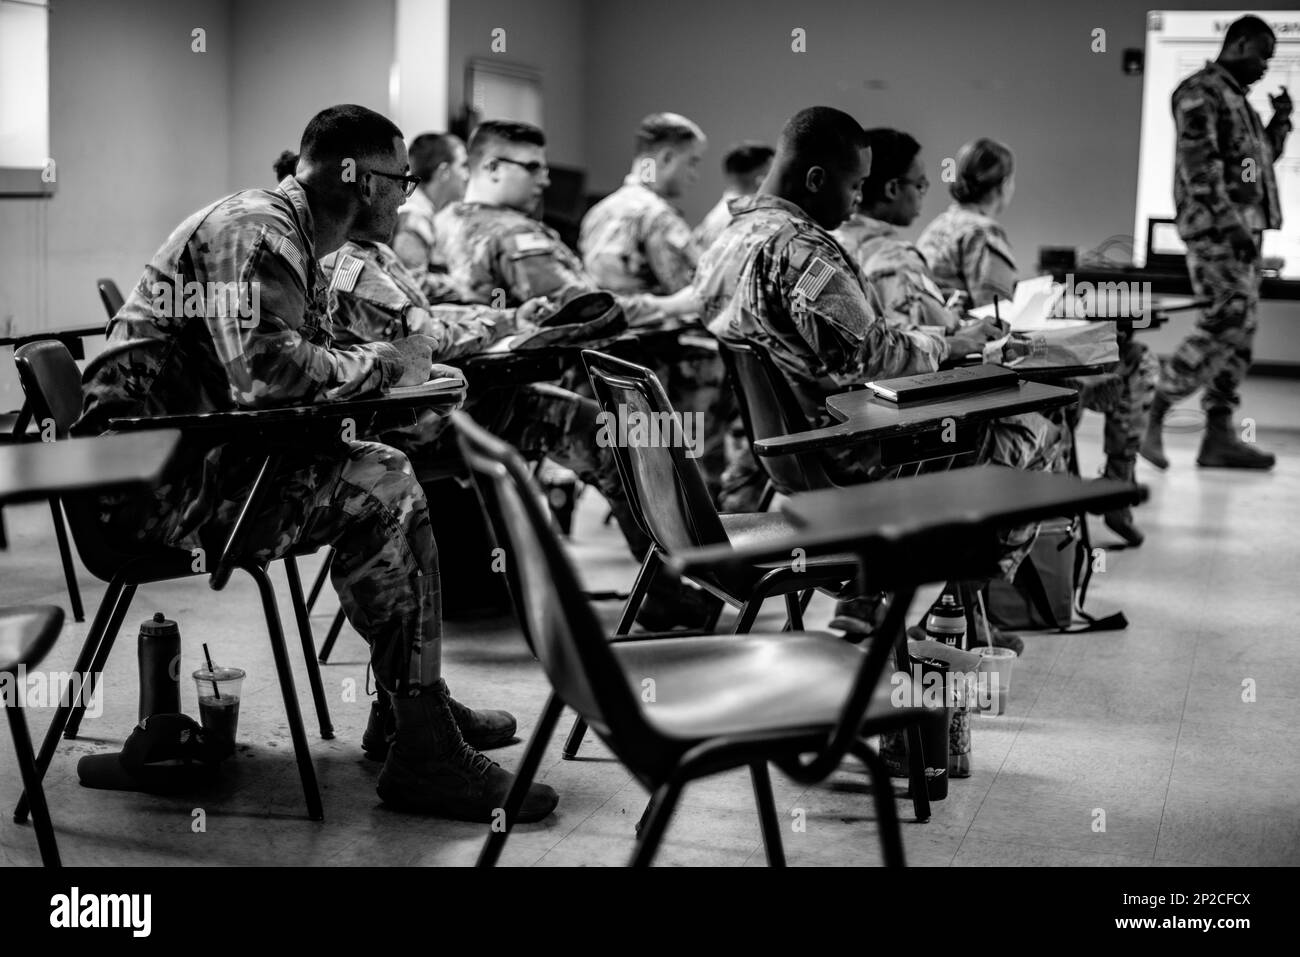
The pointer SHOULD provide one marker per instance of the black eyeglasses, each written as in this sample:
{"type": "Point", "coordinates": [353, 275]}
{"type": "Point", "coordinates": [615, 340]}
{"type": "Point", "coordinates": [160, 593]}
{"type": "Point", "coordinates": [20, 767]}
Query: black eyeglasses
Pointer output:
{"type": "Point", "coordinates": [532, 167]}
{"type": "Point", "coordinates": [408, 182]}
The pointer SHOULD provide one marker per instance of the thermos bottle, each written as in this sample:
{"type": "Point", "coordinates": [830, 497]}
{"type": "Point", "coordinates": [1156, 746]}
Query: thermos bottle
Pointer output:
{"type": "Point", "coordinates": [946, 622]}
{"type": "Point", "coordinates": [160, 666]}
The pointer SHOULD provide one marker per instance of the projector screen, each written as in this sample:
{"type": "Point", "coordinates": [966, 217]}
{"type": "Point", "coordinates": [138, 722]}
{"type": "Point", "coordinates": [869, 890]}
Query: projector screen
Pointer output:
{"type": "Point", "coordinates": [1178, 44]}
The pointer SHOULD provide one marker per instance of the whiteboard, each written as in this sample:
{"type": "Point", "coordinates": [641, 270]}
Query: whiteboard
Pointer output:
{"type": "Point", "coordinates": [1178, 44]}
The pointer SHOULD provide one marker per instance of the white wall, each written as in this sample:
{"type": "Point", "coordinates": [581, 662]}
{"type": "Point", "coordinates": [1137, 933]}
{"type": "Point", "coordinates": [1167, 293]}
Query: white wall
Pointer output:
{"type": "Point", "coordinates": [138, 128]}
{"type": "Point", "coordinates": [548, 35]}
{"type": "Point", "coordinates": [293, 58]}
{"type": "Point", "coordinates": [1021, 72]}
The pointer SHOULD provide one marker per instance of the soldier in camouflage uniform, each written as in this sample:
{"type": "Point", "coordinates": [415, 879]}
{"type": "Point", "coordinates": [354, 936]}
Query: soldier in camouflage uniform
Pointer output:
{"type": "Point", "coordinates": [373, 298]}
{"type": "Point", "coordinates": [272, 348]}
{"type": "Point", "coordinates": [892, 197]}
{"type": "Point", "coordinates": [499, 255]}
{"type": "Point", "coordinates": [743, 168]}
{"type": "Point", "coordinates": [439, 160]}
{"type": "Point", "coordinates": [1226, 196]}
{"type": "Point", "coordinates": [636, 241]}
{"type": "Point", "coordinates": [799, 295]}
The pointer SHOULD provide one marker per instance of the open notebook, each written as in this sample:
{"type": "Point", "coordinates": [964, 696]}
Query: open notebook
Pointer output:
{"type": "Point", "coordinates": [442, 386]}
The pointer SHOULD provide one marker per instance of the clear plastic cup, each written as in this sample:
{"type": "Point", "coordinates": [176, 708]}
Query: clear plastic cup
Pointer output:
{"type": "Point", "coordinates": [219, 692]}
{"type": "Point", "coordinates": [996, 665]}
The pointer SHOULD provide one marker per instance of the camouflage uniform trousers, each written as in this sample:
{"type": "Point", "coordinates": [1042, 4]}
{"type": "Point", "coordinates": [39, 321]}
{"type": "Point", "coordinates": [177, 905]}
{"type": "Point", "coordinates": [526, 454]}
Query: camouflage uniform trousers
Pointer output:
{"type": "Point", "coordinates": [363, 500]}
{"type": "Point", "coordinates": [1218, 354]}
{"type": "Point", "coordinates": [540, 421]}
{"type": "Point", "coordinates": [1124, 396]}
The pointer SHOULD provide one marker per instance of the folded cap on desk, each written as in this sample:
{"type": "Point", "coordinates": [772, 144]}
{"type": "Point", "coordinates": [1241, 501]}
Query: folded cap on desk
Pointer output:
{"type": "Point", "coordinates": [583, 318]}
{"type": "Point", "coordinates": [165, 752]}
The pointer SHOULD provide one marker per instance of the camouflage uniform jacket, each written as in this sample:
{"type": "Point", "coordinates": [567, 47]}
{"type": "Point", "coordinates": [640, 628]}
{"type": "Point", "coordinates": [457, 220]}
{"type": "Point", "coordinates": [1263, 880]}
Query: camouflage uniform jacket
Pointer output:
{"type": "Point", "coordinates": [373, 298]}
{"type": "Point", "coordinates": [634, 241]}
{"type": "Point", "coordinates": [714, 222]}
{"type": "Point", "coordinates": [501, 257]}
{"type": "Point", "coordinates": [799, 294]}
{"type": "Point", "coordinates": [268, 347]}
{"type": "Point", "coordinates": [969, 252]}
{"type": "Point", "coordinates": [1223, 165]}
{"type": "Point", "coordinates": [415, 244]}
{"type": "Point", "coordinates": [898, 272]}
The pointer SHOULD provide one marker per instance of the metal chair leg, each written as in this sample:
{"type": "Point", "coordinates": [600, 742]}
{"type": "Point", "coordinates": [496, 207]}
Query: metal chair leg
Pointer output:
{"type": "Point", "coordinates": [915, 755]}
{"type": "Point", "coordinates": [65, 554]}
{"type": "Point", "coordinates": [322, 576]}
{"type": "Point", "coordinates": [33, 791]}
{"type": "Point", "coordinates": [882, 792]}
{"type": "Point", "coordinates": [541, 737]}
{"type": "Point", "coordinates": [663, 803]}
{"type": "Point", "coordinates": [769, 493]}
{"type": "Point", "coordinates": [112, 598]}
{"type": "Point", "coordinates": [336, 627]}
{"type": "Point", "coordinates": [794, 612]}
{"type": "Point", "coordinates": [640, 588]}
{"type": "Point", "coordinates": [308, 648]}
{"type": "Point", "coordinates": [92, 679]}
{"type": "Point", "coordinates": [306, 770]}
{"type": "Point", "coordinates": [762, 782]}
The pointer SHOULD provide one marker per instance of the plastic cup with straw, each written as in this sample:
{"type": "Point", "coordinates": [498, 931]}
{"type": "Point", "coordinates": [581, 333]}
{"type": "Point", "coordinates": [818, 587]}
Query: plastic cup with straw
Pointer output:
{"type": "Point", "coordinates": [219, 709]}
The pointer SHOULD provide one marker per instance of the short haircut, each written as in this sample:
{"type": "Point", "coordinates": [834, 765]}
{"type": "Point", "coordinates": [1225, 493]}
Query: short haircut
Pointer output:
{"type": "Point", "coordinates": [665, 129]}
{"type": "Point", "coordinates": [746, 158]}
{"type": "Point", "coordinates": [347, 131]}
{"type": "Point", "coordinates": [981, 168]}
{"type": "Point", "coordinates": [1247, 28]}
{"type": "Point", "coordinates": [822, 136]}
{"type": "Point", "coordinates": [285, 164]}
{"type": "Point", "coordinates": [892, 152]}
{"type": "Point", "coordinates": [501, 131]}
{"type": "Point", "coordinates": [429, 151]}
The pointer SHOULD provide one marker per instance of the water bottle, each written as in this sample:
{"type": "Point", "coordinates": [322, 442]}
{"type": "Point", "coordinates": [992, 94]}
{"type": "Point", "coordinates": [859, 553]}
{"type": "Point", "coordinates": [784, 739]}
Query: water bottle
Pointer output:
{"type": "Point", "coordinates": [946, 622]}
{"type": "Point", "coordinates": [160, 666]}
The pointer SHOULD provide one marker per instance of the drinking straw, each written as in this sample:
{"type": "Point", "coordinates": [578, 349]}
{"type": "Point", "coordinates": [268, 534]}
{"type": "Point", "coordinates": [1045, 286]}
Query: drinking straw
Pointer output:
{"type": "Point", "coordinates": [984, 617]}
{"type": "Point", "coordinates": [212, 671]}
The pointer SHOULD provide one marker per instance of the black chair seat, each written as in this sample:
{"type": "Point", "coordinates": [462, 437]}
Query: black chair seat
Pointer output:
{"type": "Point", "coordinates": [27, 633]}
{"type": "Point", "coordinates": [727, 685]}
{"type": "Point", "coordinates": [755, 528]}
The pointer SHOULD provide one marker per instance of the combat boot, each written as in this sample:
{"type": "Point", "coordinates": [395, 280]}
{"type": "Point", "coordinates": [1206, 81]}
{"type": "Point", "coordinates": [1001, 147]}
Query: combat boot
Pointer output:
{"type": "Point", "coordinates": [482, 730]}
{"type": "Point", "coordinates": [1120, 521]}
{"type": "Point", "coordinates": [1221, 448]}
{"type": "Point", "coordinates": [1153, 442]}
{"type": "Point", "coordinates": [431, 770]}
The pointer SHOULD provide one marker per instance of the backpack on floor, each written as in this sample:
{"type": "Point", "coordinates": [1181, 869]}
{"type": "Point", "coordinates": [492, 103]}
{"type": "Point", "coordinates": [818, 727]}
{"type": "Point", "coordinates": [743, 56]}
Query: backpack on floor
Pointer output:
{"type": "Point", "coordinates": [1051, 585]}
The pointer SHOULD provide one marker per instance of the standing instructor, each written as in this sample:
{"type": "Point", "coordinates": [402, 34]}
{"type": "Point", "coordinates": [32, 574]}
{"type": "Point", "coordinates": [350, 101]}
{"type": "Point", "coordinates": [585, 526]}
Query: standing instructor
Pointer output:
{"type": "Point", "coordinates": [1226, 196]}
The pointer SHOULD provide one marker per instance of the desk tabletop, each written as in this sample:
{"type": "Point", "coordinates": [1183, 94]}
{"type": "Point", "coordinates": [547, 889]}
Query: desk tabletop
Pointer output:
{"type": "Point", "coordinates": [876, 417]}
{"type": "Point", "coordinates": [928, 528]}
{"type": "Point", "coordinates": [75, 332]}
{"type": "Point", "coordinates": [36, 470]}
{"type": "Point", "coordinates": [979, 496]}
{"type": "Point", "coordinates": [864, 416]}
{"type": "Point", "coordinates": [254, 419]}
{"type": "Point", "coordinates": [1168, 281]}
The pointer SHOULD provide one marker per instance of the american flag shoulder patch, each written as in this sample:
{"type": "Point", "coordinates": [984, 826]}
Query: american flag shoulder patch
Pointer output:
{"type": "Point", "coordinates": [813, 279]}
{"type": "Point", "coordinates": [285, 247]}
{"type": "Point", "coordinates": [346, 272]}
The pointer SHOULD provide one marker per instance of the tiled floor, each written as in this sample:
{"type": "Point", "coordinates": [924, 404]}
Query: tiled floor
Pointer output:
{"type": "Point", "coordinates": [1119, 748]}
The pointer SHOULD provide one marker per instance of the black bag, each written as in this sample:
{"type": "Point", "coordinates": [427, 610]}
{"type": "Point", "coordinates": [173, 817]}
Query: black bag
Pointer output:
{"type": "Point", "coordinates": [1051, 585]}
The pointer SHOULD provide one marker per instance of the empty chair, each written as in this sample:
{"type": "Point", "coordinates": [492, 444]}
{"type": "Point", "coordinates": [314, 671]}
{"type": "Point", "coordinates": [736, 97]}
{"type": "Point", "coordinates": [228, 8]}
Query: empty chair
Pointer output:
{"type": "Point", "coordinates": [721, 701]}
{"type": "Point", "coordinates": [110, 296]}
{"type": "Point", "coordinates": [27, 633]}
